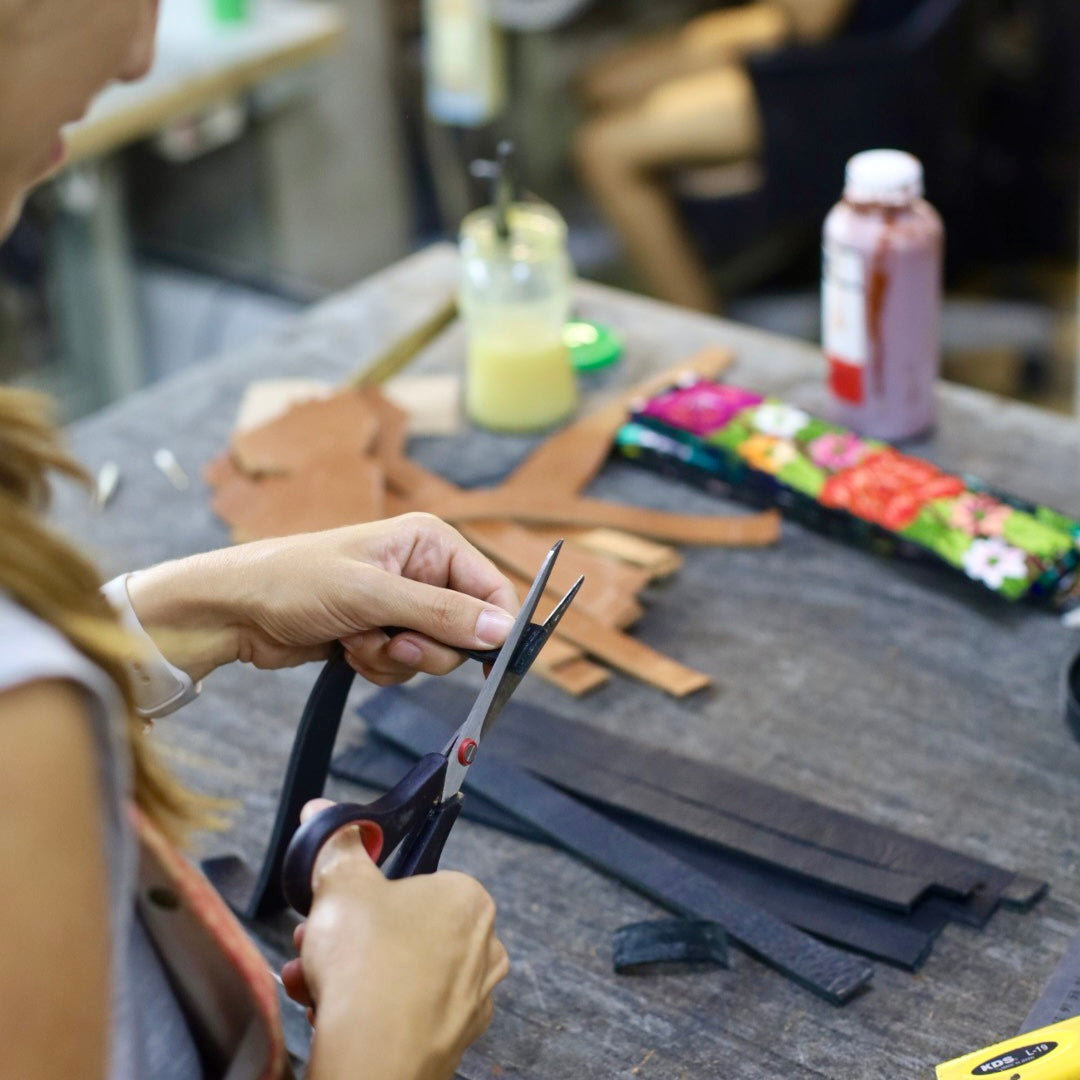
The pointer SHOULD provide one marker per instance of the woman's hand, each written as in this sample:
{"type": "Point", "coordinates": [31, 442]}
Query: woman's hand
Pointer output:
{"type": "Point", "coordinates": [400, 972]}
{"type": "Point", "coordinates": [278, 603]}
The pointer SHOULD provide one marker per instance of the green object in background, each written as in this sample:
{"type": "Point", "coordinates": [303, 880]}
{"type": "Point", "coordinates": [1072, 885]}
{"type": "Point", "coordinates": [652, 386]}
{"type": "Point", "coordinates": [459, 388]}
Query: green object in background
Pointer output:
{"type": "Point", "coordinates": [591, 345]}
{"type": "Point", "coordinates": [231, 11]}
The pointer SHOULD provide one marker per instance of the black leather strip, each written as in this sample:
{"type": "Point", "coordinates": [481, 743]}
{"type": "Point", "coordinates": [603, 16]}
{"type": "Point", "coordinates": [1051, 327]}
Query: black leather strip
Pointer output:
{"type": "Point", "coordinates": [901, 939]}
{"type": "Point", "coordinates": [529, 733]}
{"type": "Point", "coordinates": [668, 941]}
{"type": "Point", "coordinates": [305, 777]}
{"type": "Point", "coordinates": [834, 975]}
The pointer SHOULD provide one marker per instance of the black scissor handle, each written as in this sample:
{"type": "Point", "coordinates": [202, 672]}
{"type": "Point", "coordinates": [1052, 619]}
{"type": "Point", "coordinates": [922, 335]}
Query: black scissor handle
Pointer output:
{"type": "Point", "coordinates": [393, 821]}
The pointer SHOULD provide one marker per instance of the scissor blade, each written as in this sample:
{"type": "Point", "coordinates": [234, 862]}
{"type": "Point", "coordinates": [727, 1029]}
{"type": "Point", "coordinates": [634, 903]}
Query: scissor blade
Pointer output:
{"type": "Point", "coordinates": [534, 639]}
{"type": "Point", "coordinates": [491, 698]}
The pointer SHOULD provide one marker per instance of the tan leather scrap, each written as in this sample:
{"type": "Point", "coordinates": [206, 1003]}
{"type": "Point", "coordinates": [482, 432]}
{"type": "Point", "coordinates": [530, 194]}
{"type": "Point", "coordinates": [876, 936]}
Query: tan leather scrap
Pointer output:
{"type": "Point", "coordinates": [571, 458]}
{"type": "Point", "coordinates": [341, 460]}
{"type": "Point", "coordinates": [748, 530]}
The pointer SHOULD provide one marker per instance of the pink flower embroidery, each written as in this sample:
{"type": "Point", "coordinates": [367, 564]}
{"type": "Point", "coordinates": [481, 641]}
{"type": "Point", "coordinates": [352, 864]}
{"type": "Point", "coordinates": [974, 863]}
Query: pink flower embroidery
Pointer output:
{"type": "Point", "coordinates": [701, 408]}
{"type": "Point", "coordinates": [834, 450]}
{"type": "Point", "coordinates": [992, 561]}
{"type": "Point", "coordinates": [979, 515]}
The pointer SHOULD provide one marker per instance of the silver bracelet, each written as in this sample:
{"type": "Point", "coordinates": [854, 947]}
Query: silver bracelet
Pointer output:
{"type": "Point", "coordinates": [160, 687]}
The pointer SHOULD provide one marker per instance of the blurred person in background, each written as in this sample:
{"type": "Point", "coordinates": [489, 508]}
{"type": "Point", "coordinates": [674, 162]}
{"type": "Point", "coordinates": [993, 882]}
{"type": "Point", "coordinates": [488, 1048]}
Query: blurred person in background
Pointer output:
{"type": "Point", "coordinates": [676, 100]}
{"type": "Point", "coordinates": [118, 959]}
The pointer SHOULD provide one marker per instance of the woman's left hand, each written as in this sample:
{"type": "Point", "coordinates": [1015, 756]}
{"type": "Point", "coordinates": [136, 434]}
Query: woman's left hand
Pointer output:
{"type": "Point", "coordinates": [279, 603]}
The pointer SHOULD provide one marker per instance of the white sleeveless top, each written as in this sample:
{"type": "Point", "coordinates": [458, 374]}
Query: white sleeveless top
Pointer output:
{"type": "Point", "coordinates": [150, 1038]}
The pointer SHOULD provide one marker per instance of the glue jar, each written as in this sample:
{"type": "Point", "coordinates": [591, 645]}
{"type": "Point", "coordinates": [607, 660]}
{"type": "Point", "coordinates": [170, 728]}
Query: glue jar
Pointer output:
{"type": "Point", "coordinates": [881, 298]}
{"type": "Point", "coordinates": [516, 280]}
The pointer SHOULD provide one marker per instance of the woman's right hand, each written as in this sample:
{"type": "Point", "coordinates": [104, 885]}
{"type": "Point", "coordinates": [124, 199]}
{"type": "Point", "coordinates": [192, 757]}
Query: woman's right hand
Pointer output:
{"type": "Point", "coordinates": [401, 972]}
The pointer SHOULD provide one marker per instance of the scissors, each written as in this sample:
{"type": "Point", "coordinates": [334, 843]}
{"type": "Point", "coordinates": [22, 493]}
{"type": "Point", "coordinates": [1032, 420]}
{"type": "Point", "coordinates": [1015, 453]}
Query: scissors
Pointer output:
{"type": "Point", "coordinates": [412, 821]}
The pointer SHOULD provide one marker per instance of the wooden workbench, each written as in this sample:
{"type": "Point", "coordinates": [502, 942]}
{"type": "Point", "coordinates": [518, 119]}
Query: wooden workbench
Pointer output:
{"type": "Point", "coordinates": [891, 691]}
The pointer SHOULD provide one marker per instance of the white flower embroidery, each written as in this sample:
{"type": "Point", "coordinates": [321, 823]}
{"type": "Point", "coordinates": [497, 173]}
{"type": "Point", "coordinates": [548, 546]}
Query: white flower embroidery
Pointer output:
{"type": "Point", "coordinates": [992, 561]}
{"type": "Point", "coordinates": [783, 421]}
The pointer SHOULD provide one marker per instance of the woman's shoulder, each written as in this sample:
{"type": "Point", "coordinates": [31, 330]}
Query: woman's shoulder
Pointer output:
{"type": "Point", "coordinates": [32, 649]}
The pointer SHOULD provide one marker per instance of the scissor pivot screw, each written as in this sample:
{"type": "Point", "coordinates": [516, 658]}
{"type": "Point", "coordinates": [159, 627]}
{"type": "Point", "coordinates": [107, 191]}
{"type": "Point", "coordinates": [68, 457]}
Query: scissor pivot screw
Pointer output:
{"type": "Point", "coordinates": [466, 752]}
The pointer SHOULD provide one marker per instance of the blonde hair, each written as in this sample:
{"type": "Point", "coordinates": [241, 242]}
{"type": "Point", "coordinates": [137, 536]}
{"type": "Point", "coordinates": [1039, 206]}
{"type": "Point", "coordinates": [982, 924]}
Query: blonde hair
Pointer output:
{"type": "Point", "coordinates": [48, 576]}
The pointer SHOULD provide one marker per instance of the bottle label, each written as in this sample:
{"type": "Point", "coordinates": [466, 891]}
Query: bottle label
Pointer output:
{"type": "Point", "coordinates": [843, 320]}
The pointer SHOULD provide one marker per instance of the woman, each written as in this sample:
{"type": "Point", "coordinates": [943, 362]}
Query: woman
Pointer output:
{"type": "Point", "coordinates": [681, 100]}
{"type": "Point", "coordinates": [117, 960]}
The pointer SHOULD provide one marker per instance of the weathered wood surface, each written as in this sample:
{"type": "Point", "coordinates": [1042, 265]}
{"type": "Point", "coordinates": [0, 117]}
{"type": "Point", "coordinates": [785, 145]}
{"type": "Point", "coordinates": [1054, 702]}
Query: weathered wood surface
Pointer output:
{"type": "Point", "coordinates": [876, 687]}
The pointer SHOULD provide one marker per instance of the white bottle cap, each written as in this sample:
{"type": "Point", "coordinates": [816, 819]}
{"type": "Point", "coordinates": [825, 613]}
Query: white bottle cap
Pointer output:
{"type": "Point", "coordinates": [883, 176]}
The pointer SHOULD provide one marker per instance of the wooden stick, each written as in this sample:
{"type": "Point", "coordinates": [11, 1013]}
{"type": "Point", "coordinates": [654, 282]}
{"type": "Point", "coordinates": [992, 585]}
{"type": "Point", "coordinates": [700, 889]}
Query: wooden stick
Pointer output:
{"type": "Point", "coordinates": [406, 348]}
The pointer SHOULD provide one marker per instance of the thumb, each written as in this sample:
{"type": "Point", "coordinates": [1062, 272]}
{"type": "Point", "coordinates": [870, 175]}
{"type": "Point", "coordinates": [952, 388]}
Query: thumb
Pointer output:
{"type": "Point", "coordinates": [346, 852]}
{"type": "Point", "coordinates": [444, 615]}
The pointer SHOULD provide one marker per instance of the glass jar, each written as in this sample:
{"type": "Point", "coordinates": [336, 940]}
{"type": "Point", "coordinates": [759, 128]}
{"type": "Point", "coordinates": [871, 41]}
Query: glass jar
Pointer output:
{"type": "Point", "coordinates": [515, 300]}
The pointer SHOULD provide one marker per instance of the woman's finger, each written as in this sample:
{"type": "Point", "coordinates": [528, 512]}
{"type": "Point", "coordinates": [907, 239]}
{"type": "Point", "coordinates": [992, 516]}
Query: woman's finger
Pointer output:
{"type": "Point", "coordinates": [295, 983]}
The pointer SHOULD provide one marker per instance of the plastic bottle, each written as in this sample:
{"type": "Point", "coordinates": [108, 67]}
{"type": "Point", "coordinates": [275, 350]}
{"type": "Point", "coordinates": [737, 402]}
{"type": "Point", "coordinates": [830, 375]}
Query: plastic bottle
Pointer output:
{"type": "Point", "coordinates": [881, 298]}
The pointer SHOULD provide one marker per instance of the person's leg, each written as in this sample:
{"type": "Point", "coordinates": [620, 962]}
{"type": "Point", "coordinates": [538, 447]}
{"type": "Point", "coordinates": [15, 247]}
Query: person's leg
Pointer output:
{"type": "Point", "coordinates": [624, 75]}
{"type": "Point", "coordinates": [705, 118]}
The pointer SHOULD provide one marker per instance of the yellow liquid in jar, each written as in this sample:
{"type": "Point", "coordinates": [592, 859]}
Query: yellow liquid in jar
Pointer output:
{"type": "Point", "coordinates": [519, 385]}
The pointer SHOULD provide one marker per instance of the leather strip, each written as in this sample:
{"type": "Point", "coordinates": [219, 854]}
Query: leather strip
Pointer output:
{"type": "Point", "coordinates": [575, 677]}
{"type": "Point", "coordinates": [903, 940]}
{"type": "Point", "coordinates": [627, 654]}
{"type": "Point", "coordinates": [610, 588]}
{"type": "Point", "coordinates": [834, 975]}
{"type": "Point", "coordinates": [597, 639]}
{"type": "Point", "coordinates": [527, 730]}
{"type": "Point", "coordinates": [668, 941]}
{"type": "Point", "coordinates": [748, 530]}
{"type": "Point", "coordinates": [657, 560]}
{"type": "Point", "coordinates": [305, 778]}
{"type": "Point", "coordinates": [566, 462]}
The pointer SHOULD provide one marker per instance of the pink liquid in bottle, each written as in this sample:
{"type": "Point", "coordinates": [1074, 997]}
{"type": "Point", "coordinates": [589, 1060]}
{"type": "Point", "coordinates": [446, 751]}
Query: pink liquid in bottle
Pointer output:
{"type": "Point", "coordinates": [881, 298]}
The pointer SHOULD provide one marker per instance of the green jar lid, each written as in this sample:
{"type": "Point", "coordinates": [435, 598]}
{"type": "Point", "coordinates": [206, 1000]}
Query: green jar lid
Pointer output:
{"type": "Point", "coordinates": [591, 345]}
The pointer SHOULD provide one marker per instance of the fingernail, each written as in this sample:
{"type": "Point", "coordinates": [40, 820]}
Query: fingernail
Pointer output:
{"type": "Point", "coordinates": [405, 652]}
{"type": "Point", "coordinates": [492, 626]}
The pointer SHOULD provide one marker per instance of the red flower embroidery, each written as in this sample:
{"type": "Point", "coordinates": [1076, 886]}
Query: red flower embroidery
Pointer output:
{"type": "Point", "coordinates": [889, 488]}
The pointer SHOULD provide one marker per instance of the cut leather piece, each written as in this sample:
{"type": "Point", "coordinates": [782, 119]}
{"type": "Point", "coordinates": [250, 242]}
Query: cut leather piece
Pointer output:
{"type": "Point", "coordinates": [834, 975]}
{"type": "Point", "coordinates": [327, 494]}
{"type": "Point", "coordinates": [608, 593]}
{"type": "Point", "coordinates": [627, 654]}
{"type": "Point", "coordinates": [557, 651]}
{"type": "Point", "coordinates": [438, 496]}
{"type": "Point", "coordinates": [901, 939]}
{"type": "Point", "coordinates": [528, 730]}
{"type": "Point", "coordinates": [222, 470]}
{"type": "Point", "coordinates": [668, 941]}
{"type": "Point", "coordinates": [341, 425]}
{"type": "Point", "coordinates": [576, 677]}
{"type": "Point", "coordinates": [569, 460]}
{"type": "Point", "coordinates": [749, 530]}
{"type": "Point", "coordinates": [656, 560]}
